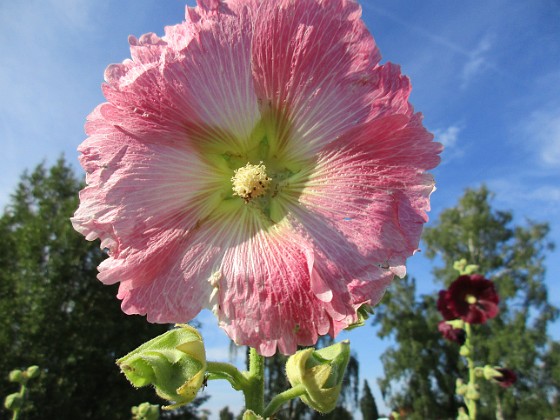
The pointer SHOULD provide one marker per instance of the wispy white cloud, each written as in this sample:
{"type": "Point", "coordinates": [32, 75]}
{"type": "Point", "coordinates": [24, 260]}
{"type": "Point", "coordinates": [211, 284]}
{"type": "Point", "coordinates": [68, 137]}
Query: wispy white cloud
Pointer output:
{"type": "Point", "coordinates": [529, 196]}
{"type": "Point", "coordinates": [542, 134]}
{"type": "Point", "coordinates": [477, 62]}
{"type": "Point", "coordinates": [449, 137]}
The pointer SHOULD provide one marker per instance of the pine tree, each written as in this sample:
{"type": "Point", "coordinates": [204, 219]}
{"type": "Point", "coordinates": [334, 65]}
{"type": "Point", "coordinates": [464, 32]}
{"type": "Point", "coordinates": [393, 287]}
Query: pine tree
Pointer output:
{"type": "Point", "coordinates": [367, 404]}
{"type": "Point", "coordinates": [513, 257]}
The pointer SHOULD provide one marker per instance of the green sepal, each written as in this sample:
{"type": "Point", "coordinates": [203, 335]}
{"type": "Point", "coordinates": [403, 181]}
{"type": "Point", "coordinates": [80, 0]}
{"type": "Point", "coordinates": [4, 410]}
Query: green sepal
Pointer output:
{"type": "Point", "coordinates": [364, 312]}
{"type": "Point", "coordinates": [250, 415]}
{"type": "Point", "coordinates": [174, 363]}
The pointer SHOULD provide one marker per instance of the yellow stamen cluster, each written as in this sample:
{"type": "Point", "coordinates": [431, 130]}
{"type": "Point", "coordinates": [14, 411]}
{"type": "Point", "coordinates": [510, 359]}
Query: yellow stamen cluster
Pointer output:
{"type": "Point", "coordinates": [471, 299]}
{"type": "Point", "coordinates": [250, 181]}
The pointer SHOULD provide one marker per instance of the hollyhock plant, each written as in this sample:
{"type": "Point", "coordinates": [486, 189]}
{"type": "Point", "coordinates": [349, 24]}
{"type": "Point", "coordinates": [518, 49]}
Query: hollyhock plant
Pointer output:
{"type": "Point", "coordinates": [259, 161]}
{"type": "Point", "coordinates": [471, 298]}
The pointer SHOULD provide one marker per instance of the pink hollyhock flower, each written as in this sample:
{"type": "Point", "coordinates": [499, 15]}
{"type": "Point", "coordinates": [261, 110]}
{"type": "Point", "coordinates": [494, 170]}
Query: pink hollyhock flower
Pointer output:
{"type": "Point", "coordinates": [457, 335]}
{"type": "Point", "coordinates": [471, 298]}
{"type": "Point", "coordinates": [259, 161]}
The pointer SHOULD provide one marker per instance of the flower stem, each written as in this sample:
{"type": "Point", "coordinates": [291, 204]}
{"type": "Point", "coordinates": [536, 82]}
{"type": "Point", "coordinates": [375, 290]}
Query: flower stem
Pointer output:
{"type": "Point", "coordinates": [22, 391]}
{"type": "Point", "coordinates": [254, 391]}
{"type": "Point", "coordinates": [282, 398]}
{"type": "Point", "coordinates": [471, 402]}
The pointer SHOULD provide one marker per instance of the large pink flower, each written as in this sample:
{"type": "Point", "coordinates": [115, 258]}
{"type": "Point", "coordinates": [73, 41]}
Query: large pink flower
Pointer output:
{"type": "Point", "coordinates": [256, 160]}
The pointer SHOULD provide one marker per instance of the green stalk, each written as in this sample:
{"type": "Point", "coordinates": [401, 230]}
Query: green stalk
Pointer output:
{"type": "Point", "coordinates": [254, 392]}
{"type": "Point", "coordinates": [22, 390]}
{"type": "Point", "coordinates": [282, 398]}
{"type": "Point", "coordinates": [471, 403]}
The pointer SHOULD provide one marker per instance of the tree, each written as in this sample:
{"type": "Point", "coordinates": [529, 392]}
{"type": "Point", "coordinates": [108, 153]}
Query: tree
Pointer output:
{"type": "Point", "coordinates": [367, 404]}
{"type": "Point", "coordinates": [225, 414]}
{"type": "Point", "coordinates": [513, 257]}
{"type": "Point", "coordinates": [53, 311]}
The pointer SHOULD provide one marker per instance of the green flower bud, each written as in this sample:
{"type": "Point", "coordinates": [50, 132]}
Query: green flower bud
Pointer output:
{"type": "Point", "coordinates": [457, 323]}
{"type": "Point", "coordinates": [174, 363]}
{"type": "Point", "coordinates": [490, 372]}
{"type": "Point", "coordinates": [321, 373]}
{"type": "Point", "coordinates": [462, 414]}
{"type": "Point", "coordinates": [472, 393]}
{"type": "Point", "coordinates": [17, 375]}
{"type": "Point", "coordinates": [145, 411]}
{"type": "Point", "coordinates": [32, 371]}
{"type": "Point", "coordinates": [13, 401]}
{"type": "Point", "coordinates": [364, 312]}
{"type": "Point", "coordinates": [465, 351]}
{"type": "Point", "coordinates": [460, 387]}
{"type": "Point", "coordinates": [463, 268]}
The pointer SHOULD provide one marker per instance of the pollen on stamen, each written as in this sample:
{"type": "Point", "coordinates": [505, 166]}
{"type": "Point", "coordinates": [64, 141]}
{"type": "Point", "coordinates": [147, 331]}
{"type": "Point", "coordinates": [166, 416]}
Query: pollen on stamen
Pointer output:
{"type": "Point", "coordinates": [250, 181]}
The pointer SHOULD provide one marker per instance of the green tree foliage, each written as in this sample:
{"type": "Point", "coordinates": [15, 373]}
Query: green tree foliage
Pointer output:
{"type": "Point", "coordinates": [225, 414]}
{"type": "Point", "coordinates": [55, 313]}
{"type": "Point", "coordinates": [420, 371]}
{"type": "Point", "coordinates": [367, 404]}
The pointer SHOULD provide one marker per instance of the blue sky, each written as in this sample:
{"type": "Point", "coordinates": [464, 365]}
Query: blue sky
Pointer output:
{"type": "Point", "coordinates": [486, 75]}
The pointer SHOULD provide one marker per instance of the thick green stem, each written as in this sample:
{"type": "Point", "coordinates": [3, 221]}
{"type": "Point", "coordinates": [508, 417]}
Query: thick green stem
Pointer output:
{"type": "Point", "coordinates": [254, 392]}
{"type": "Point", "coordinates": [282, 398]}
{"type": "Point", "coordinates": [471, 402]}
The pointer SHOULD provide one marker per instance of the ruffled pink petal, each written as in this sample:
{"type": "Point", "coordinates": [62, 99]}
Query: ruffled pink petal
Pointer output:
{"type": "Point", "coordinates": [264, 296]}
{"type": "Point", "coordinates": [179, 286]}
{"type": "Point", "coordinates": [371, 188]}
{"type": "Point", "coordinates": [309, 61]}
{"type": "Point", "coordinates": [201, 83]}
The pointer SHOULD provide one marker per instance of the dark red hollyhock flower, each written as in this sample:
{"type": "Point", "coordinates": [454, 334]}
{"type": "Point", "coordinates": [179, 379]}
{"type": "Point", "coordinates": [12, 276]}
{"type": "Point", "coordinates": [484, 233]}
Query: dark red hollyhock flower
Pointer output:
{"type": "Point", "coordinates": [457, 335]}
{"type": "Point", "coordinates": [508, 378]}
{"type": "Point", "coordinates": [443, 306]}
{"type": "Point", "coordinates": [471, 298]}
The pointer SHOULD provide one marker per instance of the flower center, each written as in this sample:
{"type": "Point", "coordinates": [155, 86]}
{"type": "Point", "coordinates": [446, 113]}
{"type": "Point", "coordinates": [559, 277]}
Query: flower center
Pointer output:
{"type": "Point", "coordinates": [471, 300]}
{"type": "Point", "coordinates": [250, 181]}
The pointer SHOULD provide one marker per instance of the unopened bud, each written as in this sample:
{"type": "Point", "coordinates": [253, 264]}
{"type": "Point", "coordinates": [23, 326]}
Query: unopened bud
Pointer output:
{"type": "Point", "coordinates": [462, 414]}
{"type": "Point", "coordinates": [174, 363]}
{"type": "Point", "coordinates": [465, 351]}
{"type": "Point", "coordinates": [32, 371]}
{"type": "Point", "coordinates": [489, 372]}
{"type": "Point", "coordinates": [145, 411]}
{"type": "Point", "coordinates": [13, 401]}
{"type": "Point", "coordinates": [463, 268]}
{"type": "Point", "coordinates": [472, 393]}
{"type": "Point", "coordinates": [17, 375]}
{"type": "Point", "coordinates": [321, 373]}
